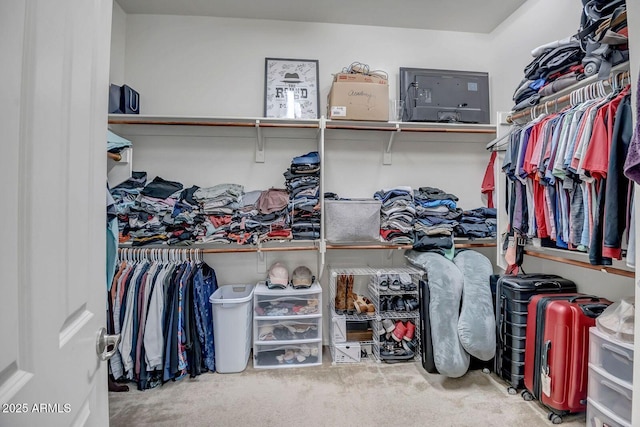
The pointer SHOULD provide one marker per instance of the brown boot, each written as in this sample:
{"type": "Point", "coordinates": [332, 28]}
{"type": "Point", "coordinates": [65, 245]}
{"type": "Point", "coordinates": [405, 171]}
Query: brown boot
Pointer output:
{"type": "Point", "coordinates": [351, 297]}
{"type": "Point", "coordinates": [341, 294]}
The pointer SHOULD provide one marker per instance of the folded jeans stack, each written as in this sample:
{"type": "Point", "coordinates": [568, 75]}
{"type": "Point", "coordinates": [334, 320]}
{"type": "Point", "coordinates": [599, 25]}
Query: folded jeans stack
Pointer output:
{"type": "Point", "coordinates": [302, 180]}
{"type": "Point", "coordinates": [437, 216]}
{"type": "Point", "coordinates": [477, 223]}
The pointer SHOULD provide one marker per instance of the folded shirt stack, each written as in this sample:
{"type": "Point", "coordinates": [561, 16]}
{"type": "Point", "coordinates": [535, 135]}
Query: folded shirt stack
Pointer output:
{"type": "Point", "coordinates": [397, 214]}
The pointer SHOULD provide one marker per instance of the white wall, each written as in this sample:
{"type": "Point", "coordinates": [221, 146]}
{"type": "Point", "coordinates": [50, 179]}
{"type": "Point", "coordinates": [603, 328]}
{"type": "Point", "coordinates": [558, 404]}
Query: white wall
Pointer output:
{"type": "Point", "coordinates": [118, 45]}
{"type": "Point", "coordinates": [535, 23]}
{"type": "Point", "coordinates": [215, 66]}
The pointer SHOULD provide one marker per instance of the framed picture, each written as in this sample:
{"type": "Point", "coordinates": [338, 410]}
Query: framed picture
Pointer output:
{"type": "Point", "coordinates": [291, 88]}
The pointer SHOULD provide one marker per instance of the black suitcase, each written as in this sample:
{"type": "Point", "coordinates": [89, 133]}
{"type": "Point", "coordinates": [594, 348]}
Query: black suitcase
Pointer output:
{"type": "Point", "coordinates": [512, 299]}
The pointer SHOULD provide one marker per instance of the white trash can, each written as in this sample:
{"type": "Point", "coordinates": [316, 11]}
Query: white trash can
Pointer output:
{"type": "Point", "coordinates": [232, 322]}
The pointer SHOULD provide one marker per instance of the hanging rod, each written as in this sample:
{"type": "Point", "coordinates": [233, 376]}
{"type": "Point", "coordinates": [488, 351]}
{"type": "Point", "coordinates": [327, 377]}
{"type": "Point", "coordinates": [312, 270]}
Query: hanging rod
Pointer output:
{"type": "Point", "coordinates": [554, 103]}
{"type": "Point", "coordinates": [602, 268]}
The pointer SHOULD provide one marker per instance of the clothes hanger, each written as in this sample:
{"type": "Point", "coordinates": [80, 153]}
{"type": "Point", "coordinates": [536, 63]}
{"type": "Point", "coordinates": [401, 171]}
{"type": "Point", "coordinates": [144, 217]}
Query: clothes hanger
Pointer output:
{"type": "Point", "coordinates": [491, 145]}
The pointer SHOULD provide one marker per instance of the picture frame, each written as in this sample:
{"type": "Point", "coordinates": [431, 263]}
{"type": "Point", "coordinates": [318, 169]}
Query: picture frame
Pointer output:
{"type": "Point", "coordinates": [291, 88]}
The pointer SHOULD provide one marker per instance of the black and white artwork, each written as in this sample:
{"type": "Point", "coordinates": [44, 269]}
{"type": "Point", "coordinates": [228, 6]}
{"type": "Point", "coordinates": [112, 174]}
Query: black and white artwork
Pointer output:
{"type": "Point", "coordinates": [291, 88]}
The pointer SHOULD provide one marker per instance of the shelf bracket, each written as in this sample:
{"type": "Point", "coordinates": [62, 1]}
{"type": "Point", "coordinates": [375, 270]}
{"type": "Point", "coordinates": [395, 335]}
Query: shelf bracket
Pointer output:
{"type": "Point", "coordinates": [386, 156]}
{"type": "Point", "coordinates": [261, 261]}
{"type": "Point", "coordinates": [259, 144]}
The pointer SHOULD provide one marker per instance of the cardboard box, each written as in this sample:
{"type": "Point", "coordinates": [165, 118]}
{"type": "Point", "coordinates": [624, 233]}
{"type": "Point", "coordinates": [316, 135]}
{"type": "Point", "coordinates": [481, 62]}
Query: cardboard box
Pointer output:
{"type": "Point", "coordinates": [360, 335]}
{"type": "Point", "coordinates": [348, 352]}
{"type": "Point", "coordinates": [339, 328]}
{"type": "Point", "coordinates": [359, 78]}
{"type": "Point", "coordinates": [355, 100]}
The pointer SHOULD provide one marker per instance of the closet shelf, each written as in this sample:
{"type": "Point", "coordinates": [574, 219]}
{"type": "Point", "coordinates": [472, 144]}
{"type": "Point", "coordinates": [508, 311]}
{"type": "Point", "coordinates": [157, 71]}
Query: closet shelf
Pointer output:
{"type": "Point", "coordinates": [358, 246]}
{"type": "Point", "coordinates": [255, 129]}
{"type": "Point", "coordinates": [342, 130]}
{"type": "Point", "coordinates": [422, 127]}
{"type": "Point", "coordinates": [219, 248]}
{"type": "Point", "coordinates": [570, 259]}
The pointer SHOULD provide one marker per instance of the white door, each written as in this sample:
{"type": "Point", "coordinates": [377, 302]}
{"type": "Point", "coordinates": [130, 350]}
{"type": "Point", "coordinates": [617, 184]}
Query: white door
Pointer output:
{"type": "Point", "coordinates": [53, 112]}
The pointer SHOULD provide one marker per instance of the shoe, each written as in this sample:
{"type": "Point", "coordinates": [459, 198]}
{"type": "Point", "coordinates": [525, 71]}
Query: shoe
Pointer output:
{"type": "Point", "coordinates": [410, 346]}
{"type": "Point", "coordinates": [371, 308]}
{"type": "Point", "coordinates": [360, 304]}
{"type": "Point", "coordinates": [399, 331]}
{"type": "Point", "coordinates": [394, 285]}
{"type": "Point", "coordinates": [406, 283]}
{"type": "Point", "coordinates": [351, 297]}
{"type": "Point", "coordinates": [341, 294]}
{"type": "Point", "coordinates": [388, 325]}
{"type": "Point", "coordinates": [385, 303]}
{"type": "Point", "coordinates": [408, 287]}
{"type": "Point", "coordinates": [383, 283]}
{"type": "Point", "coordinates": [410, 330]}
{"type": "Point", "coordinates": [398, 304]}
{"type": "Point", "coordinates": [411, 304]}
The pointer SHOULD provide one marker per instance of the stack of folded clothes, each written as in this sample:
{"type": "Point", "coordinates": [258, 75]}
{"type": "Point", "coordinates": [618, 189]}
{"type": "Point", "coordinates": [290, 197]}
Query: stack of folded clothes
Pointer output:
{"type": "Point", "coordinates": [437, 216]}
{"type": "Point", "coordinates": [272, 220]}
{"type": "Point", "coordinates": [125, 196]}
{"type": "Point", "coordinates": [115, 143]}
{"type": "Point", "coordinates": [218, 203]}
{"type": "Point", "coordinates": [477, 223]}
{"type": "Point", "coordinates": [154, 205]}
{"type": "Point", "coordinates": [186, 220]}
{"type": "Point", "coordinates": [303, 183]}
{"type": "Point", "coordinates": [397, 214]}
{"type": "Point", "coordinates": [555, 66]}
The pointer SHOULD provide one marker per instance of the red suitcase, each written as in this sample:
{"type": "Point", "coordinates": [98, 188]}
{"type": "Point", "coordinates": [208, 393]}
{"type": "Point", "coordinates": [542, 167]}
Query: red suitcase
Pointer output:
{"type": "Point", "coordinates": [557, 350]}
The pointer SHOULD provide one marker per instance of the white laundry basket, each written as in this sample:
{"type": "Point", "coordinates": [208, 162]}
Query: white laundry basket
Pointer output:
{"type": "Point", "coordinates": [232, 320]}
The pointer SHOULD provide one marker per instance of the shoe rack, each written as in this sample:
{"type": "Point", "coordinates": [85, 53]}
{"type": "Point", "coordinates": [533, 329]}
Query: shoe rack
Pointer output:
{"type": "Point", "coordinates": [362, 295]}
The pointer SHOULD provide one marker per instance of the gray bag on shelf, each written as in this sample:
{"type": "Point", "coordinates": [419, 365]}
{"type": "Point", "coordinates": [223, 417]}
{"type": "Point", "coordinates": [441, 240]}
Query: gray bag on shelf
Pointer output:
{"type": "Point", "coordinates": [353, 220]}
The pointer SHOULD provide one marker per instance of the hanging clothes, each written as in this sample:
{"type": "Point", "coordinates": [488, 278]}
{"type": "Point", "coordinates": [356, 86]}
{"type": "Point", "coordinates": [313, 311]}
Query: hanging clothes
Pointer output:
{"type": "Point", "coordinates": [161, 308]}
{"type": "Point", "coordinates": [567, 185]}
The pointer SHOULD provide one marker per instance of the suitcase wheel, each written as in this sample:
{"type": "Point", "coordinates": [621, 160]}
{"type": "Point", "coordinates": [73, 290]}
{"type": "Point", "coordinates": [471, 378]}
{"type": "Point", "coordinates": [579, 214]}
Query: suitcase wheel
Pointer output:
{"type": "Point", "coordinates": [554, 418]}
{"type": "Point", "coordinates": [526, 395]}
{"type": "Point", "coordinates": [512, 391]}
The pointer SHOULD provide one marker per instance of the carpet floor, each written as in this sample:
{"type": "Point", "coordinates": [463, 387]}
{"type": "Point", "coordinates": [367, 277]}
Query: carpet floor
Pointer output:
{"type": "Point", "coordinates": [363, 394]}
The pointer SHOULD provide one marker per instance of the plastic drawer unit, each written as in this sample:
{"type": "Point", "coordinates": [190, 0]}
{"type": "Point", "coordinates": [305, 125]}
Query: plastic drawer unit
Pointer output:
{"type": "Point", "coordinates": [287, 328]}
{"type": "Point", "coordinates": [611, 355]}
{"type": "Point", "coordinates": [610, 393]}
{"type": "Point", "coordinates": [598, 416]}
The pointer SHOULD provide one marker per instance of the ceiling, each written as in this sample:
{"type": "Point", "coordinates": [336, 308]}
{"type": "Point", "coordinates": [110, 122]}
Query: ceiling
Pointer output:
{"type": "Point", "coordinates": [476, 16]}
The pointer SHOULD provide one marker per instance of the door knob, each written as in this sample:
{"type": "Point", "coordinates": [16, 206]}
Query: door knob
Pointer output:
{"type": "Point", "coordinates": [103, 342]}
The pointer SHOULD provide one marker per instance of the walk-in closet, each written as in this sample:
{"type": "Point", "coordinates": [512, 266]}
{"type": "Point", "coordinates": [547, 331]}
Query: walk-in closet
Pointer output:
{"type": "Point", "coordinates": [207, 190]}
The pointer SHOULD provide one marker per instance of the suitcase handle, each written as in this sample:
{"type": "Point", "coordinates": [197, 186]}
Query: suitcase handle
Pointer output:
{"type": "Point", "coordinates": [545, 358]}
{"type": "Point", "coordinates": [617, 389]}
{"type": "Point", "coordinates": [593, 310]}
{"type": "Point", "coordinates": [589, 297]}
{"type": "Point", "coordinates": [550, 282]}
